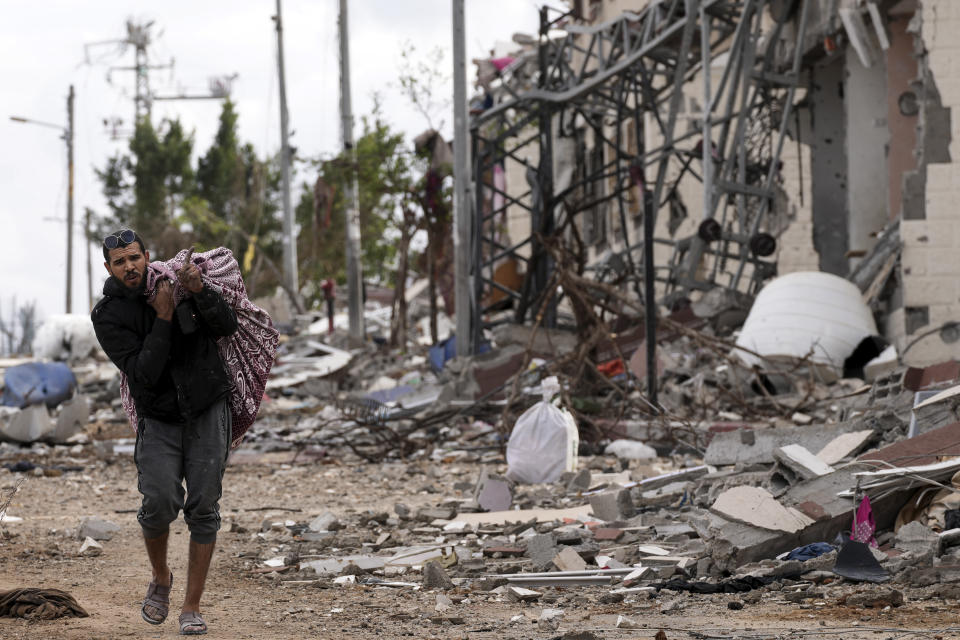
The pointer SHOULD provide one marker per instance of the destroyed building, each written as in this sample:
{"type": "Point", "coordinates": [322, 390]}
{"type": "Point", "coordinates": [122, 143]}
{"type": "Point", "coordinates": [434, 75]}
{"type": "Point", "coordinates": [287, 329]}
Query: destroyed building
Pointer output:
{"type": "Point", "coordinates": [831, 148]}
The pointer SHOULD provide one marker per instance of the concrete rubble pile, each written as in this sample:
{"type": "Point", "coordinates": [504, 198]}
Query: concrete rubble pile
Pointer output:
{"type": "Point", "coordinates": [748, 480]}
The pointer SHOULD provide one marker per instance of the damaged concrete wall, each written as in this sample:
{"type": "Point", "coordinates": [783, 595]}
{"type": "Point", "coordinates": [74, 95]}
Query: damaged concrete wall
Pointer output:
{"type": "Point", "coordinates": [931, 200]}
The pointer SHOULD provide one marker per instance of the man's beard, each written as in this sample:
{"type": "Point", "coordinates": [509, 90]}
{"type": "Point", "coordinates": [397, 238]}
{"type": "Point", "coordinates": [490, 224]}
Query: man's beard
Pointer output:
{"type": "Point", "coordinates": [131, 293]}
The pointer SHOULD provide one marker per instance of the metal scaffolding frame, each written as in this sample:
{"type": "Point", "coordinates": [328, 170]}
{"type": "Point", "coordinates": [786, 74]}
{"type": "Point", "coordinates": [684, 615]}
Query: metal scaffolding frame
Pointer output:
{"type": "Point", "coordinates": [611, 84]}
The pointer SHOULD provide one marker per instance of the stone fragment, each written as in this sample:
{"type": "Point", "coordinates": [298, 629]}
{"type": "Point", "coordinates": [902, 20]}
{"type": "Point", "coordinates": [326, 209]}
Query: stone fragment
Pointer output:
{"type": "Point", "coordinates": [519, 594]}
{"type": "Point", "coordinates": [915, 537]}
{"type": "Point", "coordinates": [434, 577]}
{"type": "Point", "coordinates": [402, 510]}
{"type": "Point", "coordinates": [325, 522]}
{"type": "Point", "coordinates": [97, 529]}
{"type": "Point", "coordinates": [580, 481]}
{"type": "Point", "coordinates": [90, 548]}
{"type": "Point", "coordinates": [569, 560]}
{"type": "Point", "coordinates": [800, 461]}
{"type": "Point", "coordinates": [579, 635]}
{"type": "Point", "coordinates": [443, 603]}
{"type": "Point", "coordinates": [613, 505]}
{"type": "Point", "coordinates": [436, 513]}
{"type": "Point", "coordinates": [541, 549]}
{"type": "Point", "coordinates": [550, 619]}
{"type": "Point", "coordinates": [623, 622]}
{"type": "Point", "coordinates": [875, 599]}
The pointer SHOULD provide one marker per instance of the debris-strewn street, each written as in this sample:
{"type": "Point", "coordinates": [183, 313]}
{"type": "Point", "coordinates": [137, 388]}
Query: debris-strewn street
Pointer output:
{"type": "Point", "coordinates": [377, 494]}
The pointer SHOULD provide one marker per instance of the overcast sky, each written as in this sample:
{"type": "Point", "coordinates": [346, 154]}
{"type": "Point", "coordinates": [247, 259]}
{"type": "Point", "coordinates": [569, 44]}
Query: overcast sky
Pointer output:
{"type": "Point", "coordinates": [42, 53]}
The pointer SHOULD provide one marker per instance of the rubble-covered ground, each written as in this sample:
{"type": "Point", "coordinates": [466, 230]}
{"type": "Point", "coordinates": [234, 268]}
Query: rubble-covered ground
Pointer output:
{"type": "Point", "coordinates": [377, 494]}
{"type": "Point", "coordinates": [244, 600]}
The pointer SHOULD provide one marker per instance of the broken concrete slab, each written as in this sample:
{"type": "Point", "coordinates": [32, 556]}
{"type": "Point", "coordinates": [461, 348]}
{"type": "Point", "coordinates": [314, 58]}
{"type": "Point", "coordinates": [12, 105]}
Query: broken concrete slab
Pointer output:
{"type": "Point", "coordinates": [613, 505]}
{"type": "Point", "coordinates": [801, 462]}
{"type": "Point", "coordinates": [757, 507]}
{"type": "Point", "coordinates": [844, 446]}
{"type": "Point", "coordinates": [569, 560]}
{"type": "Point", "coordinates": [494, 493]}
{"type": "Point", "coordinates": [519, 594]}
{"type": "Point", "coordinates": [919, 450]}
{"type": "Point", "coordinates": [497, 518]}
{"type": "Point", "coordinates": [750, 446]}
{"type": "Point", "coordinates": [30, 424]}
{"type": "Point", "coordinates": [72, 419]}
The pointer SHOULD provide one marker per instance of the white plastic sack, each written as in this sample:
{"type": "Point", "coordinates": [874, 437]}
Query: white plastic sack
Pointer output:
{"type": "Point", "coordinates": [66, 338]}
{"type": "Point", "coordinates": [544, 441]}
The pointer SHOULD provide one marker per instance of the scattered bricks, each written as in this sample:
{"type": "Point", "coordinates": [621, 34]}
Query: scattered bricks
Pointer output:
{"type": "Point", "coordinates": [541, 549]}
{"type": "Point", "coordinates": [874, 599]}
{"type": "Point", "coordinates": [914, 537]}
{"type": "Point", "coordinates": [519, 594]}
{"type": "Point", "coordinates": [550, 619]}
{"type": "Point", "coordinates": [607, 534]}
{"type": "Point", "coordinates": [610, 506]}
{"type": "Point", "coordinates": [97, 529]}
{"type": "Point", "coordinates": [434, 577]}
{"type": "Point", "coordinates": [569, 560]}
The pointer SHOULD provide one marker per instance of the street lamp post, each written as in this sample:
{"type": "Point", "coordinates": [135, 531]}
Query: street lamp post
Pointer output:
{"type": "Point", "coordinates": [68, 138]}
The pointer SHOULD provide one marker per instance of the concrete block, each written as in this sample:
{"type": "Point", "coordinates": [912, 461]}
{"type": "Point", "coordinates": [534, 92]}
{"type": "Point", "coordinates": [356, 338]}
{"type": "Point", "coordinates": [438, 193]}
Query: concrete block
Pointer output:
{"type": "Point", "coordinates": [30, 424]}
{"type": "Point", "coordinates": [542, 549]}
{"type": "Point", "coordinates": [612, 505]}
{"type": "Point", "coordinates": [569, 560]}
{"type": "Point", "coordinates": [749, 446]}
{"type": "Point", "coordinates": [914, 537]}
{"type": "Point", "coordinates": [72, 419]}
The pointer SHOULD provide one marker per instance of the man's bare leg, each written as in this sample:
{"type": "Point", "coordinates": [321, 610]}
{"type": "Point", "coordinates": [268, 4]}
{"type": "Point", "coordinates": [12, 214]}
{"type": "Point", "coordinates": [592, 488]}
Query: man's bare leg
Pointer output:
{"type": "Point", "coordinates": [157, 553]}
{"type": "Point", "coordinates": [198, 565]}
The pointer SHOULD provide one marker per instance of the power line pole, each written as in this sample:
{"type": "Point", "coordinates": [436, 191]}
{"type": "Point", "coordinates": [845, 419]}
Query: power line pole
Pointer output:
{"type": "Point", "coordinates": [290, 277]}
{"type": "Point", "coordinates": [354, 269]}
{"type": "Point", "coordinates": [462, 219]}
{"type": "Point", "coordinates": [68, 134]}
{"type": "Point", "coordinates": [86, 235]}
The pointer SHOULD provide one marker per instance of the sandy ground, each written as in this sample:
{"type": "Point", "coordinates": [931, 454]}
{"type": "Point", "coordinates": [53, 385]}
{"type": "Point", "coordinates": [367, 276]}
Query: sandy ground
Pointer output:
{"type": "Point", "coordinates": [240, 603]}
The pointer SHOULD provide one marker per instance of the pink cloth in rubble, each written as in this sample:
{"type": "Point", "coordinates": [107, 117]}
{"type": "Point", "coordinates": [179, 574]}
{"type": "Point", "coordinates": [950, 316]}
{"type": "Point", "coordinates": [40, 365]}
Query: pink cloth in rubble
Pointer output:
{"type": "Point", "coordinates": [864, 526]}
{"type": "Point", "coordinates": [248, 354]}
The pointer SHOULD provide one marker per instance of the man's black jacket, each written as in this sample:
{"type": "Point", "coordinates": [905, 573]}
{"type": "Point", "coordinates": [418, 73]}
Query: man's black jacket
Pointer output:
{"type": "Point", "coordinates": [174, 372]}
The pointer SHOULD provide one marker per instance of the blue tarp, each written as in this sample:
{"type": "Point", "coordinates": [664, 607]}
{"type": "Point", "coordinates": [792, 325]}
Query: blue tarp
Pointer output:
{"type": "Point", "coordinates": [47, 383]}
{"type": "Point", "coordinates": [447, 350]}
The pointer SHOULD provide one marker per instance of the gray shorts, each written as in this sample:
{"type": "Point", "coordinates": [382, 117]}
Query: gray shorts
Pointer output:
{"type": "Point", "coordinates": [169, 454]}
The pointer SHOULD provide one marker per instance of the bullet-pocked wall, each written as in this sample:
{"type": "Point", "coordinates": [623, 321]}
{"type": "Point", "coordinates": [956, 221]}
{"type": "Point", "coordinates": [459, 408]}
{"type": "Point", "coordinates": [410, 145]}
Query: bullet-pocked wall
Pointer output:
{"type": "Point", "coordinates": [930, 263]}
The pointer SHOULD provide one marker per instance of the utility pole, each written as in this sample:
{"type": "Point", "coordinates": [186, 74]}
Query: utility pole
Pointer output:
{"type": "Point", "coordinates": [69, 136]}
{"type": "Point", "coordinates": [66, 134]}
{"type": "Point", "coordinates": [354, 269]}
{"type": "Point", "coordinates": [290, 277]}
{"type": "Point", "coordinates": [462, 246]}
{"type": "Point", "coordinates": [86, 235]}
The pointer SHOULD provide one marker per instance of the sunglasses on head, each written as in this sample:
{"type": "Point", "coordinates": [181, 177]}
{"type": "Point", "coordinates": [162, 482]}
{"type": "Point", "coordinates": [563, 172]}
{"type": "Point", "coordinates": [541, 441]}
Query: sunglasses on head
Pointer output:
{"type": "Point", "coordinates": [120, 238]}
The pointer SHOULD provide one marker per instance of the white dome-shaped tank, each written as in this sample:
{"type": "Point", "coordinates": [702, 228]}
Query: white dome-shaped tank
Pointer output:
{"type": "Point", "coordinates": [807, 312]}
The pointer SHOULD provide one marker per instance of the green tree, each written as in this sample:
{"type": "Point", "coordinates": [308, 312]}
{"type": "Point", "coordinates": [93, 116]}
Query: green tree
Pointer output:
{"type": "Point", "coordinates": [146, 188]}
{"type": "Point", "coordinates": [385, 175]}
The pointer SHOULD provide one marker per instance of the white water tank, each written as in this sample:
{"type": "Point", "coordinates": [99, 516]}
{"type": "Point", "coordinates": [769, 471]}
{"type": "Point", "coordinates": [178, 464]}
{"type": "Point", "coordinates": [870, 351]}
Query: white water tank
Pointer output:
{"type": "Point", "coordinates": [807, 312]}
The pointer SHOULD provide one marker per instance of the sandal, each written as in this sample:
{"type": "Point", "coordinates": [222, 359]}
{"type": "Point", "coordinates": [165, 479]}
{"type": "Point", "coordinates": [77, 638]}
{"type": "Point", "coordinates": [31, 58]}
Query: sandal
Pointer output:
{"type": "Point", "coordinates": [158, 597]}
{"type": "Point", "coordinates": [191, 624]}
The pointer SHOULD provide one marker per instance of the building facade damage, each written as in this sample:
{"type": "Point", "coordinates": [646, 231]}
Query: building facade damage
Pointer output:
{"type": "Point", "coordinates": [755, 138]}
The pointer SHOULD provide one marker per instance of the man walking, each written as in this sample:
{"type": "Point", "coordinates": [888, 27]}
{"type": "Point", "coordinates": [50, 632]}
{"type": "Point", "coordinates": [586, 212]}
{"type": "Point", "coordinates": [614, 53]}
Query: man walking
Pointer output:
{"type": "Point", "coordinates": [181, 390]}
